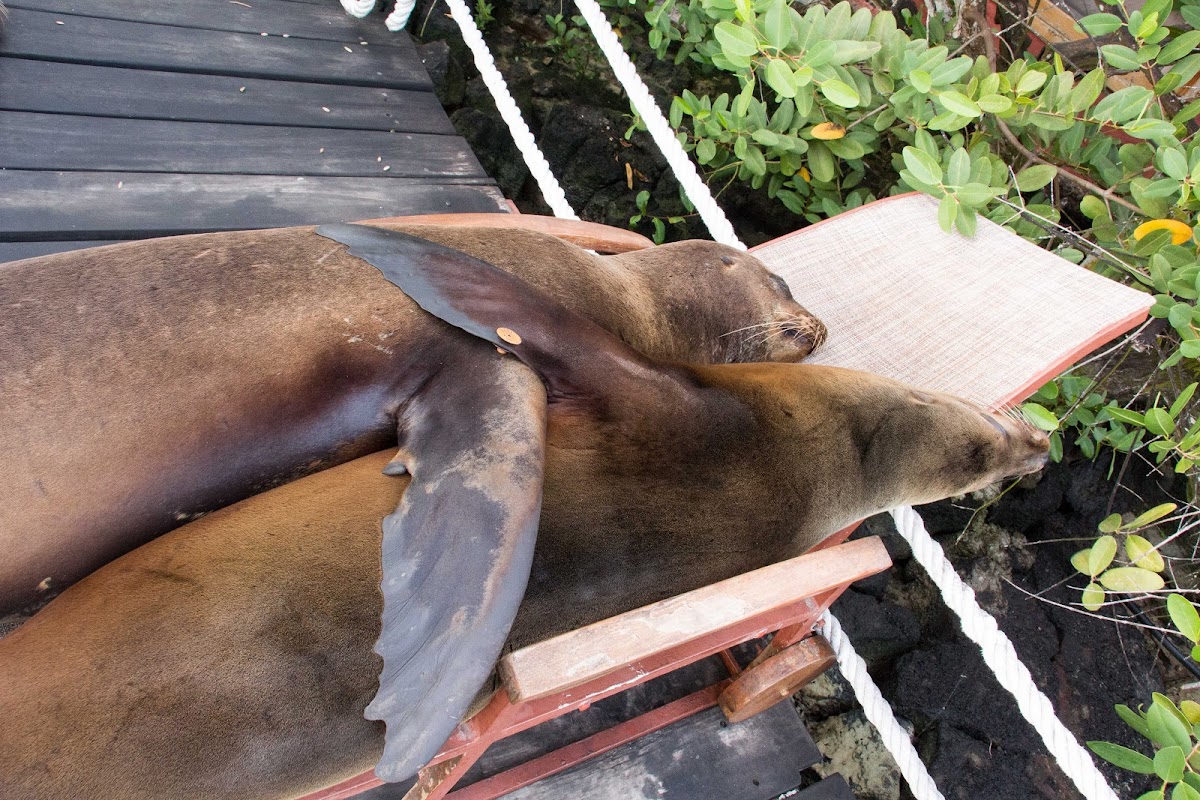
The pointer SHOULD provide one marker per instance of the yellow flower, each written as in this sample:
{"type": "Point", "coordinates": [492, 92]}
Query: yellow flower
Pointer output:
{"type": "Point", "coordinates": [806, 175]}
{"type": "Point", "coordinates": [828, 130]}
{"type": "Point", "coordinates": [1180, 232]}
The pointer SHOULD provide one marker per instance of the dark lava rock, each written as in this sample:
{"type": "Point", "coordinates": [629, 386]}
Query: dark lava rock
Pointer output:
{"type": "Point", "coordinates": [880, 630]}
{"type": "Point", "coordinates": [449, 83]}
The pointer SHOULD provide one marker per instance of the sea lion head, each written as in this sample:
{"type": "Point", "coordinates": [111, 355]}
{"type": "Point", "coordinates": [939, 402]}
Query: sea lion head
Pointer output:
{"type": "Point", "coordinates": [911, 445]}
{"type": "Point", "coordinates": [745, 312]}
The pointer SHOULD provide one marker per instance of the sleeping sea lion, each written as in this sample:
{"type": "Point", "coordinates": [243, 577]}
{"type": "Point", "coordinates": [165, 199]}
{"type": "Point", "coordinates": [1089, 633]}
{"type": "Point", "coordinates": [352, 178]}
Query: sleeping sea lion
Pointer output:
{"type": "Point", "coordinates": [232, 657]}
{"type": "Point", "coordinates": [147, 383]}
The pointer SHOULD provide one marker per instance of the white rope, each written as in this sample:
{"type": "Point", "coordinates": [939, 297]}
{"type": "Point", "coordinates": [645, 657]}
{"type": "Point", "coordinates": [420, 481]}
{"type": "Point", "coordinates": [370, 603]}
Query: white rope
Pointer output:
{"type": "Point", "coordinates": [358, 8]}
{"type": "Point", "coordinates": [1001, 658]}
{"type": "Point", "coordinates": [685, 171]}
{"type": "Point", "coordinates": [538, 166]}
{"type": "Point", "coordinates": [400, 14]}
{"type": "Point", "coordinates": [879, 713]}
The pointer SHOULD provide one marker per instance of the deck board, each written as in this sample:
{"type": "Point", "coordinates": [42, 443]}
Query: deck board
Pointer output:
{"type": "Point", "coordinates": [276, 17]}
{"type": "Point", "coordinates": [106, 205]}
{"type": "Point", "coordinates": [90, 90]}
{"type": "Point", "coordinates": [117, 43]}
{"type": "Point", "coordinates": [121, 120]}
{"type": "Point", "coordinates": [77, 143]}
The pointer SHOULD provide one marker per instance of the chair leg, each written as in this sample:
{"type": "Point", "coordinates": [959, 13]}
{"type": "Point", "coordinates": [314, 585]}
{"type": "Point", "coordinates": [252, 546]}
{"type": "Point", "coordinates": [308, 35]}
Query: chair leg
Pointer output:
{"type": "Point", "coordinates": [763, 685]}
{"type": "Point", "coordinates": [433, 778]}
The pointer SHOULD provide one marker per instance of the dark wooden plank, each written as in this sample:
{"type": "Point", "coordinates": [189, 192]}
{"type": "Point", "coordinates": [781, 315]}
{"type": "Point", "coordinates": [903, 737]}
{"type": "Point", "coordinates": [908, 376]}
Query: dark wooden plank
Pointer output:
{"type": "Point", "coordinates": [325, 21]}
{"type": "Point", "coordinates": [62, 142]}
{"type": "Point", "coordinates": [15, 251]}
{"type": "Point", "coordinates": [87, 40]}
{"type": "Point", "coordinates": [832, 788]}
{"type": "Point", "coordinates": [47, 86]}
{"type": "Point", "coordinates": [696, 757]}
{"type": "Point", "coordinates": [99, 205]}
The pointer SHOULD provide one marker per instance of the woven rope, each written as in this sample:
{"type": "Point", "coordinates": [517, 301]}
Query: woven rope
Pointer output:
{"type": "Point", "coordinates": [538, 166]}
{"type": "Point", "coordinates": [358, 8]}
{"type": "Point", "coordinates": [879, 713]}
{"type": "Point", "coordinates": [685, 171]}
{"type": "Point", "coordinates": [399, 17]}
{"type": "Point", "coordinates": [1002, 659]}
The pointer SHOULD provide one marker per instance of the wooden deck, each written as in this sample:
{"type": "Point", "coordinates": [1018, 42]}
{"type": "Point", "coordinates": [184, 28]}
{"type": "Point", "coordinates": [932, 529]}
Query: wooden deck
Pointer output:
{"type": "Point", "coordinates": [121, 119]}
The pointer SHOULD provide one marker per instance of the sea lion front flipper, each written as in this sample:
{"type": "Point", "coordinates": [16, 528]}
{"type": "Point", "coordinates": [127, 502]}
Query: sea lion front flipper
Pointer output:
{"type": "Point", "coordinates": [457, 551]}
{"type": "Point", "coordinates": [576, 358]}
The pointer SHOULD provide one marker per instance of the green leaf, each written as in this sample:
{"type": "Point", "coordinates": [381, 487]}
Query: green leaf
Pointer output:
{"type": "Point", "coordinates": [1103, 551]}
{"type": "Point", "coordinates": [1033, 178]}
{"type": "Point", "coordinates": [1030, 82]}
{"type": "Point", "coordinates": [1182, 791]}
{"type": "Point", "coordinates": [840, 93]}
{"type": "Point", "coordinates": [948, 72]}
{"type": "Point", "coordinates": [846, 51]}
{"type": "Point", "coordinates": [1110, 524]}
{"type": "Point", "coordinates": [706, 150]}
{"type": "Point", "coordinates": [1123, 757]}
{"type": "Point", "coordinates": [1159, 422]}
{"type": "Point", "coordinates": [755, 161]}
{"type": "Point", "coordinates": [1131, 579]}
{"type": "Point", "coordinates": [959, 103]}
{"type": "Point", "coordinates": [1100, 24]}
{"type": "Point", "coordinates": [1126, 416]}
{"type": "Point", "coordinates": [1179, 47]}
{"type": "Point", "coordinates": [994, 103]}
{"type": "Point", "coordinates": [1174, 162]}
{"type": "Point", "coordinates": [1093, 597]}
{"type": "Point", "coordinates": [976, 195]}
{"type": "Point", "coordinates": [1168, 763]}
{"type": "Point", "coordinates": [947, 211]}
{"type": "Point", "coordinates": [820, 162]}
{"type": "Point", "coordinates": [779, 76]}
{"type": "Point", "coordinates": [1038, 415]}
{"type": "Point", "coordinates": [1149, 129]}
{"type": "Point", "coordinates": [959, 171]}
{"type": "Point", "coordinates": [1089, 88]}
{"type": "Point", "coordinates": [921, 81]}
{"type": "Point", "coordinates": [1080, 561]}
{"type": "Point", "coordinates": [1133, 719]}
{"type": "Point", "coordinates": [1186, 395]}
{"type": "Point", "coordinates": [1120, 57]}
{"type": "Point", "coordinates": [1180, 315]}
{"type": "Point", "coordinates": [777, 24]}
{"type": "Point", "coordinates": [736, 40]}
{"type": "Point", "coordinates": [1184, 616]}
{"type": "Point", "coordinates": [1093, 207]}
{"type": "Point", "coordinates": [1142, 554]}
{"type": "Point", "coordinates": [1153, 515]}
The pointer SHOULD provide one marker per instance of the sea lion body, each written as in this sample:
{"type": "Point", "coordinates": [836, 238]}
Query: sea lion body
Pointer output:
{"type": "Point", "coordinates": [232, 658]}
{"type": "Point", "coordinates": [147, 383]}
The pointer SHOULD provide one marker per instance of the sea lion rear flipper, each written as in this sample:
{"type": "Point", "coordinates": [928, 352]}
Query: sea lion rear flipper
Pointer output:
{"type": "Point", "coordinates": [457, 551]}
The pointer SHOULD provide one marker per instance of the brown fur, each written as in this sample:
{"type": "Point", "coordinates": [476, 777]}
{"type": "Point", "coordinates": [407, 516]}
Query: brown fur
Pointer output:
{"type": "Point", "coordinates": [147, 383]}
{"type": "Point", "coordinates": [232, 658]}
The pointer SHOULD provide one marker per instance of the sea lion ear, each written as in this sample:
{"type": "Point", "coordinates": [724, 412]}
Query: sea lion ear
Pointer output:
{"type": "Point", "coordinates": [499, 307]}
{"type": "Point", "coordinates": [457, 551]}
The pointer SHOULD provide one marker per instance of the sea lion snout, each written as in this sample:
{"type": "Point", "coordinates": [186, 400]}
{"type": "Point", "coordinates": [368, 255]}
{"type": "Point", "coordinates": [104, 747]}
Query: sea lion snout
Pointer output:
{"type": "Point", "coordinates": [1028, 447]}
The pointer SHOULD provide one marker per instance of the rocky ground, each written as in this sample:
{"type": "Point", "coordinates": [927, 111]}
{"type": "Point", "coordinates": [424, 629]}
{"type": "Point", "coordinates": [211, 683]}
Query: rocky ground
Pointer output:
{"type": "Point", "coordinates": [966, 727]}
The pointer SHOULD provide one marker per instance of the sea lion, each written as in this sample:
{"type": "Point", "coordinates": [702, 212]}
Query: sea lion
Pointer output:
{"type": "Point", "coordinates": [232, 658]}
{"type": "Point", "coordinates": [147, 383]}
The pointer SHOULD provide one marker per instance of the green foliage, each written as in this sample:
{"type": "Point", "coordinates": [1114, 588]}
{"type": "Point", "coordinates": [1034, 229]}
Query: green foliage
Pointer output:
{"type": "Point", "coordinates": [483, 14]}
{"type": "Point", "coordinates": [1174, 732]}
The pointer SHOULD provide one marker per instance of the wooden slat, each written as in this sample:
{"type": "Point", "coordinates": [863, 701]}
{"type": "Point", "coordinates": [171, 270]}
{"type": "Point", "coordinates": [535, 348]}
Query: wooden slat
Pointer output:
{"type": "Point", "coordinates": [15, 251]}
{"type": "Point", "coordinates": [61, 142]}
{"type": "Point", "coordinates": [697, 757]}
{"type": "Point", "coordinates": [832, 788]}
{"type": "Point", "coordinates": [86, 40]}
{"type": "Point", "coordinates": [59, 88]}
{"type": "Point", "coordinates": [591, 652]}
{"type": "Point", "coordinates": [326, 21]}
{"type": "Point", "coordinates": [73, 205]}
